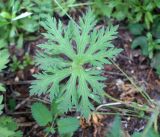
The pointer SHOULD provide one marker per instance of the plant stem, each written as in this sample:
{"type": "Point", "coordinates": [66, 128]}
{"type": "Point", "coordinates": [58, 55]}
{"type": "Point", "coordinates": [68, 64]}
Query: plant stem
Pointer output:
{"type": "Point", "coordinates": [151, 121]}
{"type": "Point", "coordinates": [130, 104]}
{"type": "Point", "coordinates": [111, 113]}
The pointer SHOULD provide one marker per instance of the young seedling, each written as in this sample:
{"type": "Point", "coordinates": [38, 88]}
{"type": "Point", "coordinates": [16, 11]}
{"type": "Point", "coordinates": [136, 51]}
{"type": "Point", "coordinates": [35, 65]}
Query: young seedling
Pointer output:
{"type": "Point", "coordinates": [72, 62]}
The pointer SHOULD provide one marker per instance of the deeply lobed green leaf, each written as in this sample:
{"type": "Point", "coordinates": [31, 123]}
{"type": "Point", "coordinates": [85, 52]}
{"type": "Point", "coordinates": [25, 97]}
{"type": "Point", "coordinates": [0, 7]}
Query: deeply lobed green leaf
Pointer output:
{"type": "Point", "coordinates": [70, 62]}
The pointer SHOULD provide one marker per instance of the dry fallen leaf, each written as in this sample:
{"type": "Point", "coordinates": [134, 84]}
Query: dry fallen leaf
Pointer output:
{"type": "Point", "coordinates": [95, 120]}
{"type": "Point", "coordinates": [97, 124]}
{"type": "Point", "coordinates": [84, 123]}
{"type": "Point", "coordinates": [128, 92]}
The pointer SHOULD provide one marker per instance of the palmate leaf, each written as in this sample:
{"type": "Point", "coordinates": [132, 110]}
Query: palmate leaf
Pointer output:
{"type": "Point", "coordinates": [70, 58]}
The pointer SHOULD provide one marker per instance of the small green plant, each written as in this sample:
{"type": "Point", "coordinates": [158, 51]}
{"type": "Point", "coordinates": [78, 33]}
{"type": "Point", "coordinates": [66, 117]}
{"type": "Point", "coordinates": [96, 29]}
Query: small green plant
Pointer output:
{"type": "Point", "coordinates": [150, 48]}
{"type": "Point", "coordinates": [115, 130]}
{"type": "Point", "coordinates": [48, 119]}
{"type": "Point", "coordinates": [117, 9]}
{"type": "Point", "coordinates": [141, 17]}
{"type": "Point", "coordinates": [11, 21]}
{"type": "Point", "coordinates": [66, 5]}
{"type": "Point", "coordinates": [39, 9]}
{"type": "Point", "coordinates": [21, 65]}
{"type": "Point", "coordinates": [9, 128]}
{"type": "Point", "coordinates": [134, 11]}
{"type": "Point", "coordinates": [148, 45]}
{"type": "Point", "coordinates": [72, 62]}
{"type": "Point", "coordinates": [20, 19]}
{"type": "Point", "coordinates": [143, 12]}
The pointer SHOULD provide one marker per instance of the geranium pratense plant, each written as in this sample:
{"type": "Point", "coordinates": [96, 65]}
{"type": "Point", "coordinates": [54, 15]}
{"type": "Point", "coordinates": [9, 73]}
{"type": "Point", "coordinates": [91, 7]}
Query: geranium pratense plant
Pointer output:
{"type": "Point", "coordinates": [70, 62]}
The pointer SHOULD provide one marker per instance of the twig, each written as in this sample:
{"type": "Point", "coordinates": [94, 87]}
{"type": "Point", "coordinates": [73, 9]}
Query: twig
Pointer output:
{"type": "Point", "coordinates": [41, 100]}
{"type": "Point", "coordinates": [32, 129]}
{"type": "Point", "coordinates": [28, 124]}
{"type": "Point", "coordinates": [22, 103]}
{"type": "Point", "coordinates": [17, 82]}
{"type": "Point", "coordinates": [114, 73]}
{"type": "Point", "coordinates": [18, 113]}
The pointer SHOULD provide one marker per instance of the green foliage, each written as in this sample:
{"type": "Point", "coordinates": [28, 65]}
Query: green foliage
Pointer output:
{"type": "Point", "coordinates": [18, 64]}
{"type": "Point", "coordinates": [3, 58]}
{"type": "Point", "coordinates": [153, 45]}
{"type": "Point", "coordinates": [77, 64]}
{"type": "Point", "coordinates": [116, 128]}
{"type": "Point", "coordinates": [136, 28]}
{"type": "Point", "coordinates": [155, 30]}
{"type": "Point", "coordinates": [1, 105]}
{"type": "Point", "coordinates": [11, 16]}
{"type": "Point", "coordinates": [55, 110]}
{"type": "Point", "coordinates": [3, 61]}
{"type": "Point", "coordinates": [12, 104]}
{"type": "Point", "coordinates": [41, 114]}
{"type": "Point", "coordinates": [65, 4]}
{"type": "Point", "coordinates": [67, 125]}
{"type": "Point", "coordinates": [150, 133]}
{"type": "Point", "coordinates": [155, 62]}
{"type": "Point", "coordinates": [142, 42]}
{"type": "Point", "coordinates": [20, 19]}
{"type": "Point", "coordinates": [4, 132]}
{"type": "Point", "coordinates": [101, 9]}
{"type": "Point", "coordinates": [117, 9]}
{"type": "Point", "coordinates": [142, 11]}
{"type": "Point", "coordinates": [39, 9]}
{"type": "Point", "coordinates": [147, 44]}
{"type": "Point", "coordinates": [150, 47]}
{"type": "Point", "coordinates": [141, 16]}
{"type": "Point", "coordinates": [134, 11]}
{"type": "Point", "coordinates": [9, 128]}
{"type": "Point", "coordinates": [44, 117]}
